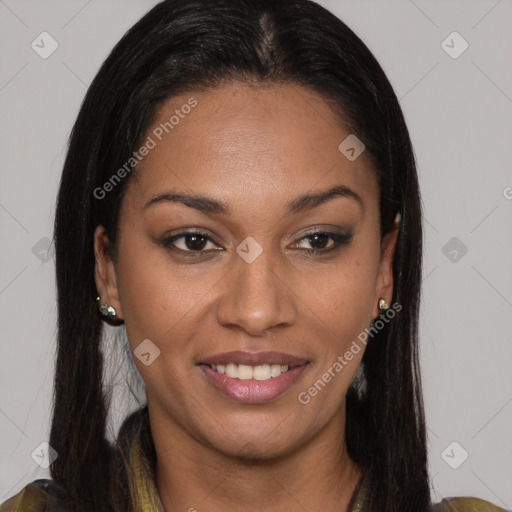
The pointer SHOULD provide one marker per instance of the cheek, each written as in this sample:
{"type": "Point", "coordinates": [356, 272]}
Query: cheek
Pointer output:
{"type": "Point", "coordinates": [345, 306]}
{"type": "Point", "coordinates": [156, 297]}
{"type": "Point", "coordinates": [342, 311]}
{"type": "Point", "coordinates": [159, 304]}
{"type": "Point", "coordinates": [346, 299]}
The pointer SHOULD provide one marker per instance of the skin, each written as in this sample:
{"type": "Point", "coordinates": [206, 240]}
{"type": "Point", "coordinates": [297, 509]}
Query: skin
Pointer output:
{"type": "Point", "coordinates": [254, 148]}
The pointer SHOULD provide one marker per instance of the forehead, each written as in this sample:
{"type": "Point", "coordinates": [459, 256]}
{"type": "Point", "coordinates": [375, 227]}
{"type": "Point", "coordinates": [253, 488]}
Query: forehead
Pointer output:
{"type": "Point", "coordinates": [247, 143]}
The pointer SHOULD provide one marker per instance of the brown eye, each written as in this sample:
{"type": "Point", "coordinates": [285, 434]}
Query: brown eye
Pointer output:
{"type": "Point", "coordinates": [190, 242]}
{"type": "Point", "coordinates": [319, 241]}
{"type": "Point", "coordinates": [195, 242]}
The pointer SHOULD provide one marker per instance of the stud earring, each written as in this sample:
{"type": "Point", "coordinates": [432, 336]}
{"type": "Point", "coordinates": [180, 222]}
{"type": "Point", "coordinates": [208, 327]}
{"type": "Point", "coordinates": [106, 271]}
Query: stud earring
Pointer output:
{"type": "Point", "coordinates": [383, 305]}
{"type": "Point", "coordinates": [106, 310]}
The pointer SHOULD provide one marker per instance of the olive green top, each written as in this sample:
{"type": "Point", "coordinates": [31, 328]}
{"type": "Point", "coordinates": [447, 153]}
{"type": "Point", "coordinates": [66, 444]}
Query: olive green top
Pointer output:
{"type": "Point", "coordinates": [44, 496]}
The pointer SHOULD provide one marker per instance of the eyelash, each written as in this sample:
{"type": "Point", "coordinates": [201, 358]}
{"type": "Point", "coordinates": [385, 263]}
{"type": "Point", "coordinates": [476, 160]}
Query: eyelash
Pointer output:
{"type": "Point", "coordinates": [339, 239]}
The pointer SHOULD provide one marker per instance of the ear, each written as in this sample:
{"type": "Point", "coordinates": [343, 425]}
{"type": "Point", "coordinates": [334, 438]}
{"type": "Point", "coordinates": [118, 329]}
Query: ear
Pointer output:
{"type": "Point", "coordinates": [384, 285]}
{"type": "Point", "coordinates": [104, 271]}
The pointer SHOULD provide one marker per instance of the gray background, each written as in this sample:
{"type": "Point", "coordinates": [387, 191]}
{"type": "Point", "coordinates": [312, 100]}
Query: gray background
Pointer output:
{"type": "Point", "coordinates": [459, 113]}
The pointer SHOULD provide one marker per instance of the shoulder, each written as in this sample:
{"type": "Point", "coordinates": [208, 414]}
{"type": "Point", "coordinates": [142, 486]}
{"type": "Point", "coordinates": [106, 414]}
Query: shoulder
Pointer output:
{"type": "Point", "coordinates": [466, 505]}
{"type": "Point", "coordinates": [37, 496]}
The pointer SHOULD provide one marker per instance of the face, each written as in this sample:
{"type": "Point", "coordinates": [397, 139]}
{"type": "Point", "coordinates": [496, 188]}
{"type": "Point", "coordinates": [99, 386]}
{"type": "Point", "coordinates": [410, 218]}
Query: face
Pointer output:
{"type": "Point", "coordinates": [249, 255]}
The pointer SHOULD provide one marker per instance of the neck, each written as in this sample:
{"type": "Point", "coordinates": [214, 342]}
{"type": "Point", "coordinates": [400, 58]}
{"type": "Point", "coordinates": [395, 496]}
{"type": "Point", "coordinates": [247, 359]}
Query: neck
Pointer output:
{"type": "Point", "coordinates": [189, 475]}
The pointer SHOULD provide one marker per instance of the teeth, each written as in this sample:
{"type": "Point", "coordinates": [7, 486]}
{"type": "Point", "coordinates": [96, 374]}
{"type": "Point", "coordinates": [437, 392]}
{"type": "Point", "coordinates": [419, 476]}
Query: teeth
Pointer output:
{"type": "Point", "coordinates": [232, 370]}
{"type": "Point", "coordinates": [276, 370]}
{"type": "Point", "coordinates": [245, 372]}
{"type": "Point", "coordinates": [262, 372]}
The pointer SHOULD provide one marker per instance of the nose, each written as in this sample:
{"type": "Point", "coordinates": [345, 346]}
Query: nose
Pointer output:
{"type": "Point", "coordinates": [257, 297]}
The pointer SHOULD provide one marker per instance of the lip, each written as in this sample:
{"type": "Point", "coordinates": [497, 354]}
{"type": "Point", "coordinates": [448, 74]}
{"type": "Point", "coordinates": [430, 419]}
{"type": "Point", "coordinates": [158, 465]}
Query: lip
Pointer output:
{"type": "Point", "coordinates": [255, 358]}
{"type": "Point", "coordinates": [253, 391]}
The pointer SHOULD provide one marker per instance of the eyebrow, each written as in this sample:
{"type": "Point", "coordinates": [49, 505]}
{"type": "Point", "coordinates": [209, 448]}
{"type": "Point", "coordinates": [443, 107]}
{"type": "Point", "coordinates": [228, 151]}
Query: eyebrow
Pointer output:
{"type": "Point", "coordinates": [300, 204]}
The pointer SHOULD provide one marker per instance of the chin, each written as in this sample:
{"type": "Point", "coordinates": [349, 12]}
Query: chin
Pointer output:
{"type": "Point", "coordinates": [258, 442]}
{"type": "Point", "coordinates": [254, 451]}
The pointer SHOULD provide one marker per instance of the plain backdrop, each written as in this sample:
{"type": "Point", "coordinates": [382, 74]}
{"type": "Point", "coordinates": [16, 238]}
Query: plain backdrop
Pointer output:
{"type": "Point", "coordinates": [458, 105]}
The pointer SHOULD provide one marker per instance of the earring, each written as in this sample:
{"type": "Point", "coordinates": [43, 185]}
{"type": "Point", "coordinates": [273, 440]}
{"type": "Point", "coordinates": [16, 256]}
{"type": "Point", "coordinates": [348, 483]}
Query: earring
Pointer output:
{"type": "Point", "coordinates": [383, 305]}
{"type": "Point", "coordinates": [106, 310]}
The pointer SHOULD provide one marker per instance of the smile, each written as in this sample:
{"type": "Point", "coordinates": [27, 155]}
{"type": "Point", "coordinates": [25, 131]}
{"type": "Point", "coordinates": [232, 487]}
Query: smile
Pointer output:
{"type": "Point", "coordinates": [253, 378]}
{"type": "Point", "coordinates": [250, 390]}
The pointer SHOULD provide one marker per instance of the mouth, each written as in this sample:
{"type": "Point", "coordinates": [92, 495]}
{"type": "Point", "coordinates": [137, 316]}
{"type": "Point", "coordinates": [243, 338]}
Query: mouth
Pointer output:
{"type": "Point", "coordinates": [253, 377]}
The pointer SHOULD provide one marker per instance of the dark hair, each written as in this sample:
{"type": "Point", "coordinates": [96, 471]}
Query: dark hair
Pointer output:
{"type": "Point", "coordinates": [182, 46]}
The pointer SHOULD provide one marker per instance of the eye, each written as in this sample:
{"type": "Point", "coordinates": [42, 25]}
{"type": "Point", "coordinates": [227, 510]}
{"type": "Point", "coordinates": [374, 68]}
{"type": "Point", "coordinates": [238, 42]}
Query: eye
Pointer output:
{"type": "Point", "coordinates": [191, 242]}
{"type": "Point", "coordinates": [197, 243]}
{"type": "Point", "coordinates": [319, 241]}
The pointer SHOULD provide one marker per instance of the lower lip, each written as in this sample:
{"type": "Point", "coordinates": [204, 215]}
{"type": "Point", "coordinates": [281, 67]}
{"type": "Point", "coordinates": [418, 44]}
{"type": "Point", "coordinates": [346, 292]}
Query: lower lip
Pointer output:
{"type": "Point", "coordinates": [253, 391]}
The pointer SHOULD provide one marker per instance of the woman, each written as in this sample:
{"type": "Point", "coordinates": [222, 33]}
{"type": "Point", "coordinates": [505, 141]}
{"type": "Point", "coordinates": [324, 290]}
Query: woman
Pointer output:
{"type": "Point", "coordinates": [240, 195]}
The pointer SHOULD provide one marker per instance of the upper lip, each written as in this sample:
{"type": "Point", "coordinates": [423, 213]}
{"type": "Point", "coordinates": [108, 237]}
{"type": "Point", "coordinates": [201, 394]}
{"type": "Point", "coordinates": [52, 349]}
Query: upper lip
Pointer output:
{"type": "Point", "coordinates": [254, 358]}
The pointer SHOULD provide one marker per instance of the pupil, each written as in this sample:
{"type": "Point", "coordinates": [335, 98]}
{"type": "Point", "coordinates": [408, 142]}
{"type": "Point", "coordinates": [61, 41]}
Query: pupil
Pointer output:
{"type": "Point", "coordinates": [195, 242]}
{"type": "Point", "coordinates": [322, 237]}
